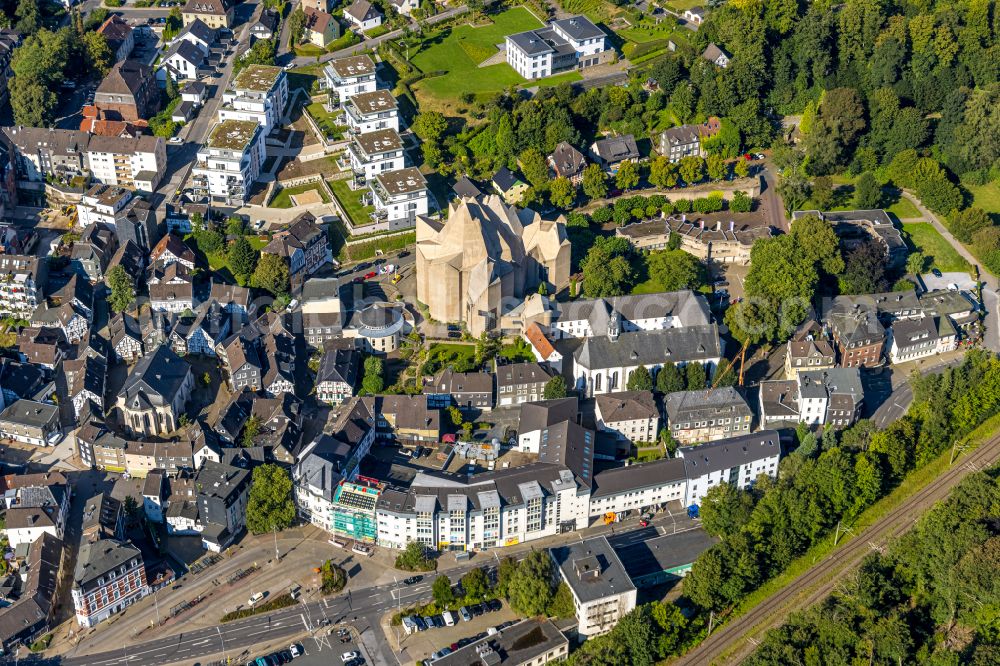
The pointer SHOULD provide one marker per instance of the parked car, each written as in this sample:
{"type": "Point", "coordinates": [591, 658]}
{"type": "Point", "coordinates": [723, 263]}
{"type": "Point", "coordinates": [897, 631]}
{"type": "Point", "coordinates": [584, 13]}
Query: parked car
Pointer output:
{"type": "Point", "coordinates": [494, 605]}
{"type": "Point", "coordinates": [295, 650]}
{"type": "Point", "coordinates": [429, 621]}
{"type": "Point", "coordinates": [412, 580]}
{"type": "Point", "coordinates": [935, 272]}
{"type": "Point", "coordinates": [404, 253]}
{"type": "Point", "coordinates": [475, 609]}
{"type": "Point", "coordinates": [370, 274]}
{"type": "Point", "coordinates": [463, 612]}
{"type": "Point", "coordinates": [254, 598]}
{"type": "Point", "coordinates": [347, 656]}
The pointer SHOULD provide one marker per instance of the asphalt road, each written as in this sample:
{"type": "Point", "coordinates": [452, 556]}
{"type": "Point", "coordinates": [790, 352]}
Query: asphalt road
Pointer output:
{"type": "Point", "coordinates": [734, 641]}
{"type": "Point", "coordinates": [895, 405]}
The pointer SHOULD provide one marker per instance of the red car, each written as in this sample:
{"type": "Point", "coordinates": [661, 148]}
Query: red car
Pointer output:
{"type": "Point", "coordinates": [643, 523]}
{"type": "Point", "coordinates": [369, 276]}
{"type": "Point", "coordinates": [748, 157]}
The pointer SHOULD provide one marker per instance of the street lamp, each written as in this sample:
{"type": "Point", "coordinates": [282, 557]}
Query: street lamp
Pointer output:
{"type": "Point", "coordinates": [223, 641]}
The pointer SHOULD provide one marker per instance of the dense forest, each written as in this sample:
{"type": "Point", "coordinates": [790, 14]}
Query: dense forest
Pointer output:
{"type": "Point", "coordinates": [933, 599]}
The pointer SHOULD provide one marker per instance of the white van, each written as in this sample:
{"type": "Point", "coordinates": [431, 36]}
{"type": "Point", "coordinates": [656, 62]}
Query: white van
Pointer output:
{"type": "Point", "coordinates": [449, 618]}
{"type": "Point", "coordinates": [254, 598]}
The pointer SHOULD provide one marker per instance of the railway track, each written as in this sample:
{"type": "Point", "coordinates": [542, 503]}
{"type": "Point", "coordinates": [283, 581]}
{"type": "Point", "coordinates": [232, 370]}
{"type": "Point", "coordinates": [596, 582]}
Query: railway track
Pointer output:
{"type": "Point", "coordinates": [736, 640]}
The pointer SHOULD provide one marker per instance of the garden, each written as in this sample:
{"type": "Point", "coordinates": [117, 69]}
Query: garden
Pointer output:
{"type": "Point", "coordinates": [284, 196]}
{"type": "Point", "coordinates": [351, 201]}
{"type": "Point", "coordinates": [326, 121]}
{"type": "Point", "coordinates": [939, 253]}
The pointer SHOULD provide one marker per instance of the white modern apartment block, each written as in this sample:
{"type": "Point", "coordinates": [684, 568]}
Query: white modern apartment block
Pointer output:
{"type": "Point", "coordinates": [602, 591]}
{"type": "Point", "coordinates": [22, 281]}
{"type": "Point", "coordinates": [102, 205]}
{"type": "Point", "coordinates": [346, 77]}
{"type": "Point", "coordinates": [398, 196]}
{"type": "Point", "coordinates": [376, 152]}
{"type": "Point", "coordinates": [737, 461]}
{"type": "Point", "coordinates": [258, 93]}
{"type": "Point", "coordinates": [230, 161]}
{"type": "Point", "coordinates": [570, 43]}
{"type": "Point", "coordinates": [133, 162]}
{"type": "Point", "coordinates": [372, 111]}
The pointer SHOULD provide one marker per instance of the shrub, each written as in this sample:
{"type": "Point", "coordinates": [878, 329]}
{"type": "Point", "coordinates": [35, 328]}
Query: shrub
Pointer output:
{"type": "Point", "coordinates": [281, 601]}
{"type": "Point", "coordinates": [602, 215]}
{"type": "Point", "coordinates": [415, 558]}
{"type": "Point", "coordinates": [334, 578]}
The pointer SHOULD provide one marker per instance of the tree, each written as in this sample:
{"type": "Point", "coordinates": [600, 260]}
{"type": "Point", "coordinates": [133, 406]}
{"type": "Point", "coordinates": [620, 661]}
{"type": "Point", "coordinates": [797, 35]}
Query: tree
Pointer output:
{"type": "Point", "coordinates": [297, 24]}
{"type": "Point", "coordinates": [965, 223]}
{"type": "Point", "coordinates": [415, 557]}
{"type": "Point", "coordinates": [505, 573]}
{"type": "Point", "coordinates": [170, 88]}
{"type": "Point", "coordinates": [529, 589]}
{"type": "Point", "coordinates": [595, 183]}
{"type": "Point", "coordinates": [725, 509]}
{"type": "Point", "coordinates": [534, 168]}
{"type": "Point", "coordinates": [627, 176]}
{"type": "Point", "coordinates": [607, 270]}
{"type": "Point", "coordinates": [455, 416]}
{"type": "Point", "coordinates": [562, 193]}
{"type": "Point", "coordinates": [741, 168]}
{"type": "Point", "coordinates": [444, 596]}
{"type": "Point", "coordinates": [173, 24]}
{"type": "Point", "coordinates": [835, 130]}
{"type": "Point", "coordinates": [562, 605]}
{"type": "Point", "coordinates": [373, 382]}
{"type": "Point", "coordinates": [636, 633]}
{"type": "Point", "coordinates": [663, 173]}
{"type": "Point", "coordinates": [271, 274]}
{"type": "Point", "coordinates": [692, 169]}
{"type": "Point", "coordinates": [717, 167]}
{"type": "Point", "coordinates": [234, 226]}
{"type": "Point", "coordinates": [865, 270]}
{"type": "Point", "coordinates": [673, 270]}
{"type": "Point", "coordinates": [725, 374]}
{"type": "Point", "coordinates": [250, 430]}
{"type": "Point", "coordinates": [555, 388]}
{"type": "Point", "coordinates": [33, 102]}
{"type": "Point", "coordinates": [640, 380]}
{"type": "Point", "coordinates": [696, 376]}
{"type": "Point", "coordinates": [270, 505]}
{"type": "Point", "coordinates": [242, 257]}
{"type": "Point", "coordinates": [817, 242]}
{"type": "Point", "coordinates": [669, 379]}
{"type": "Point", "coordinates": [915, 262]}
{"type": "Point", "coordinates": [867, 192]}
{"type": "Point", "coordinates": [822, 192]}
{"type": "Point", "coordinates": [476, 584]}
{"type": "Point", "coordinates": [673, 626]}
{"type": "Point", "coordinates": [741, 202]}
{"type": "Point", "coordinates": [487, 347]}
{"type": "Point", "coordinates": [98, 55]}
{"type": "Point", "coordinates": [794, 192]}
{"type": "Point", "coordinates": [430, 126]}
{"type": "Point", "coordinates": [122, 289]}
{"type": "Point", "coordinates": [29, 17]}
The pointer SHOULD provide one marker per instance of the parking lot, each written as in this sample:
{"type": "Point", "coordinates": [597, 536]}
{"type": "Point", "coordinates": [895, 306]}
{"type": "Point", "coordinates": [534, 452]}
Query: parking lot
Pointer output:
{"type": "Point", "coordinates": [326, 648]}
{"type": "Point", "coordinates": [423, 644]}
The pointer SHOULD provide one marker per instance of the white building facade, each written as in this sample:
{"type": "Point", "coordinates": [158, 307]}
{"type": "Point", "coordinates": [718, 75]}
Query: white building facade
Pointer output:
{"type": "Point", "coordinates": [230, 161]}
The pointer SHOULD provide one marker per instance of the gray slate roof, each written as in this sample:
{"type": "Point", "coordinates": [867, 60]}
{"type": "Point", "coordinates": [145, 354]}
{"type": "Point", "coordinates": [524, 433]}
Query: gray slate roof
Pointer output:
{"type": "Point", "coordinates": [579, 562]}
{"type": "Point", "coordinates": [650, 348]}
{"type": "Point", "coordinates": [728, 453]}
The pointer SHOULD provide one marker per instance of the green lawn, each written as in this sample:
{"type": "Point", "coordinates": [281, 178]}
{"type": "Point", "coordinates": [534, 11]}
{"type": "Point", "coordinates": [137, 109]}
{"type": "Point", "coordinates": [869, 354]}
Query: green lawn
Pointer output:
{"type": "Point", "coordinates": [326, 121]}
{"type": "Point", "coordinates": [460, 50]}
{"type": "Point", "coordinates": [903, 209]}
{"type": "Point", "coordinates": [462, 358]}
{"type": "Point", "coordinates": [596, 10]}
{"type": "Point", "coordinates": [350, 201]}
{"type": "Point", "coordinates": [308, 50]}
{"type": "Point", "coordinates": [923, 236]}
{"type": "Point", "coordinates": [283, 199]}
{"type": "Point", "coordinates": [986, 197]}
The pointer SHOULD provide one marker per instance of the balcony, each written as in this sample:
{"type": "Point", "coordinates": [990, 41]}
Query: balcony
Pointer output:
{"type": "Point", "coordinates": [379, 215]}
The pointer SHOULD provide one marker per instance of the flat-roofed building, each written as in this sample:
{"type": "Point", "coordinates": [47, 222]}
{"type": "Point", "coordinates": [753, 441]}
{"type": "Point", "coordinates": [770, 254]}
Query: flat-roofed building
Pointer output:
{"type": "Point", "coordinates": [30, 422]}
{"type": "Point", "coordinates": [531, 642]}
{"type": "Point", "coordinates": [376, 152]}
{"type": "Point", "coordinates": [372, 111]}
{"type": "Point", "coordinates": [258, 93]}
{"type": "Point", "coordinates": [346, 77]}
{"type": "Point", "coordinates": [399, 197]}
{"type": "Point", "coordinates": [230, 161]}
{"type": "Point", "coordinates": [602, 591]}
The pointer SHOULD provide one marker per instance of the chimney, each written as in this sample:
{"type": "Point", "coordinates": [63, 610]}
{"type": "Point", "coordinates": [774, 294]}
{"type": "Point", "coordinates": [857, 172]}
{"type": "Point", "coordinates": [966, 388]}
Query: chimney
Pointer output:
{"type": "Point", "coordinates": [731, 226]}
{"type": "Point", "coordinates": [718, 225]}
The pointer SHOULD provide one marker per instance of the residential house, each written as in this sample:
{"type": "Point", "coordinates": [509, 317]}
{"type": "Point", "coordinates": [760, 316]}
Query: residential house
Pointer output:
{"type": "Point", "coordinates": [602, 591]}
{"type": "Point", "coordinates": [210, 327]}
{"type": "Point", "coordinates": [229, 162]}
{"type": "Point", "coordinates": [542, 347]}
{"type": "Point", "coordinates": [303, 245]}
{"type": "Point", "coordinates": [816, 397]}
{"type": "Point", "coordinates": [91, 255]}
{"type": "Point", "coordinates": [110, 576]}
{"type": "Point", "coordinates": [28, 617]}
{"type": "Point", "coordinates": [132, 259]}
{"type": "Point", "coordinates": [631, 415]}
{"type": "Point", "coordinates": [339, 370]}
{"type": "Point", "coordinates": [155, 393]}
{"type": "Point", "coordinates": [611, 152]}
{"type": "Point", "coordinates": [222, 502]}
{"type": "Point", "coordinates": [261, 356]}
{"type": "Point", "coordinates": [510, 188]}
{"type": "Point", "coordinates": [22, 284]}
{"type": "Point", "coordinates": [707, 415]}
{"type": "Point", "coordinates": [677, 143]}
{"type": "Point", "coordinates": [181, 62]}
{"type": "Point", "coordinates": [910, 339]}
{"type": "Point", "coordinates": [405, 7]}
{"type": "Point", "coordinates": [538, 416]}
{"type": "Point", "coordinates": [695, 15]}
{"type": "Point", "coordinates": [85, 384]}
{"type": "Point", "coordinates": [171, 289]}
{"type": "Point", "coordinates": [126, 337]}
{"type": "Point", "coordinates": [103, 518]}
{"type": "Point", "coordinates": [465, 189]}
{"type": "Point", "coordinates": [129, 92]}
{"type": "Point", "coordinates": [322, 318]}
{"type": "Point", "coordinates": [9, 40]}
{"type": "Point", "coordinates": [859, 336]}
{"type": "Point", "coordinates": [737, 461]}
{"type": "Point", "coordinates": [213, 13]}
{"type": "Point", "coordinates": [45, 346]}
{"type": "Point", "coordinates": [259, 93]}
{"type": "Point", "coordinates": [199, 34]}
{"type": "Point", "coordinates": [587, 318]}
{"type": "Point", "coordinates": [409, 419]}
{"type": "Point", "coordinates": [809, 349]}
{"type": "Point", "coordinates": [172, 250]}
{"type": "Point", "coordinates": [518, 383]}
{"type": "Point", "coordinates": [120, 36]}
{"type": "Point", "coordinates": [399, 198]}
{"type": "Point", "coordinates": [349, 76]}
{"type": "Point", "coordinates": [321, 28]}
{"type": "Point", "coordinates": [235, 300]}
{"type": "Point", "coordinates": [363, 15]}
{"type": "Point", "coordinates": [376, 152]}
{"type": "Point", "coordinates": [130, 216]}
{"type": "Point", "coordinates": [138, 163]}
{"type": "Point", "coordinates": [25, 380]}
{"type": "Point", "coordinates": [69, 307]}
{"type": "Point", "coordinates": [565, 44]}
{"type": "Point", "coordinates": [36, 509]}
{"type": "Point", "coordinates": [469, 391]}
{"type": "Point", "coordinates": [266, 25]}
{"type": "Point", "coordinates": [715, 55]}
{"type": "Point", "coordinates": [32, 423]}
{"type": "Point", "coordinates": [567, 162]}
{"type": "Point", "coordinates": [194, 92]}
{"type": "Point", "coordinates": [371, 111]}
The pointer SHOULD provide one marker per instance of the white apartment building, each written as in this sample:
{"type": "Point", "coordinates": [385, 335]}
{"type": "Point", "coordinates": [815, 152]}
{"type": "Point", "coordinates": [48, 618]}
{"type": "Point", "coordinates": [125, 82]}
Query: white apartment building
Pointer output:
{"type": "Point", "coordinates": [602, 591]}
{"type": "Point", "coordinates": [639, 312]}
{"type": "Point", "coordinates": [376, 152]}
{"type": "Point", "coordinates": [259, 94]}
{"type": "Point", "coordinates": [562, 45]}
{"type": "Point", "coordinates": [399, 196]}
{"type": "Point", "coordinates": [109, 577]}
{"type": "Point", "coordinates": [229, 162]}
{"type": "Point", "coordinates": [133, 162]}
{"type": "Point", "coordinates": [637, 487]}
{"type": "Point", "coordinates": [102, 204]}
{"type": "Point", "coordinates": [346, 77]}
{"type": "Point", "coordinates": [22, 281]}
{"type": "Point", "coordinates": [737, 461]}
{"type": "Point", "coordinates": [372, 111]}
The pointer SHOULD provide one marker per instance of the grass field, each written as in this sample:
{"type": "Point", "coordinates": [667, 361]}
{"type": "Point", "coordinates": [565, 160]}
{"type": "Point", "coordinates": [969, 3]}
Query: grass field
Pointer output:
{"type": "Point", "coordinates": [326, 121]}
{"type": "Point", "coordinates": [596, 10]}
{"type": "Point", "coordinates": [283, 198]}
{"type": "Point", "coordinates": [460, 50]}
{"type": "Point", "coordinates": [903, 209]}
{"type": "Point", "coordinates": [924, 237]}
{"type": "Point", "coordinates": [986, 197]}
{"type": "Point", "coordinates": [350, 201]}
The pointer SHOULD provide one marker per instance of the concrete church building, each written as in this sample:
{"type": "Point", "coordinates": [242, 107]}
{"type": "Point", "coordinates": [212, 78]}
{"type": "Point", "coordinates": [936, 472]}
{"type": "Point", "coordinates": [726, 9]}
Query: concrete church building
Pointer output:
{"type": "Point", "coordinates": [485, 258]}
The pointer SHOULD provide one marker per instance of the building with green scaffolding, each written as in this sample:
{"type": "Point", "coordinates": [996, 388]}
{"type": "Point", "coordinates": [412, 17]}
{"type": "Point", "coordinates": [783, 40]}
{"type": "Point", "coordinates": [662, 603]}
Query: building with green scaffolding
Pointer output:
{"type": "Point", "coordinates": [353, 510]}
